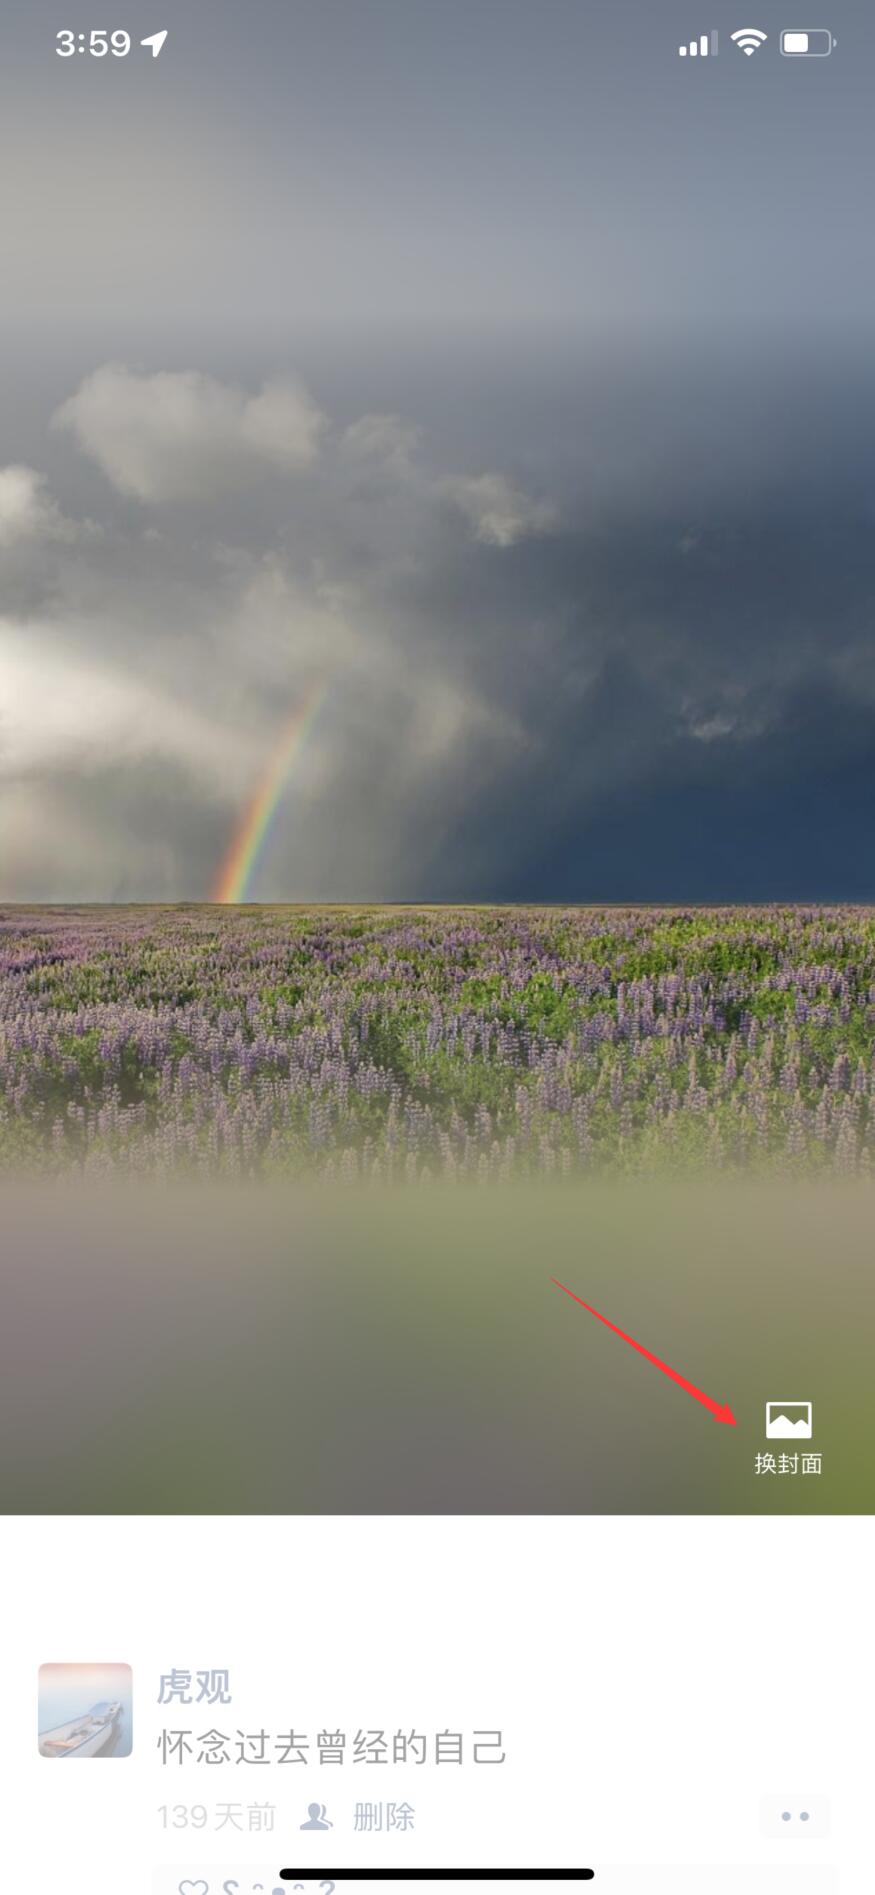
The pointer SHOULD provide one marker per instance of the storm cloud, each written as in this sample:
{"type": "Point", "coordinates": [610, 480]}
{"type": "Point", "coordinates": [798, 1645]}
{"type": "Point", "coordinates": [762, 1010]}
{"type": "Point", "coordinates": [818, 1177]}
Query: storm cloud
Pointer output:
{"type": "Point", "coordinates": [513, 416]}
{"type": "Point", "coordinates": [628, 684]}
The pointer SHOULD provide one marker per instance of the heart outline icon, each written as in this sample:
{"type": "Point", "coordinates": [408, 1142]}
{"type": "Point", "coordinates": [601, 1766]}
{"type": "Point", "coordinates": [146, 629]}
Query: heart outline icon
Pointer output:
{"type": "Point", "coordinates": [194, 1888]}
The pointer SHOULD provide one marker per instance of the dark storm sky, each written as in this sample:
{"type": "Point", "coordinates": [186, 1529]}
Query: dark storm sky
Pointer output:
{"type": "Point", "coordinates": [487, 370]}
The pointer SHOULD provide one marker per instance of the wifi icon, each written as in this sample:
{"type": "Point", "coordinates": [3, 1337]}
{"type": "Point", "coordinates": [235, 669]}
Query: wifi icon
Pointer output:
{"type": "Point", "coordinates": [748, 39]}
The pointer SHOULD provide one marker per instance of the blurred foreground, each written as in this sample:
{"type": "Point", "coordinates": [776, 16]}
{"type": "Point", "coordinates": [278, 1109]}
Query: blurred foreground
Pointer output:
{"type": "Point", "coordinates": [271, 1349]}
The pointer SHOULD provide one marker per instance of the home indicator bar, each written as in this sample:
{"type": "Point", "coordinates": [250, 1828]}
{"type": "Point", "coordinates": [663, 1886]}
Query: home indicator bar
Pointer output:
{"type": "Point", "coordinates": [451, 1876]}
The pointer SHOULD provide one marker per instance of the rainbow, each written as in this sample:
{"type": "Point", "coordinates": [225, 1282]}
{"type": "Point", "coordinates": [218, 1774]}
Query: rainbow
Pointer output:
{"type": "Point", "coordinates": [254, 826]}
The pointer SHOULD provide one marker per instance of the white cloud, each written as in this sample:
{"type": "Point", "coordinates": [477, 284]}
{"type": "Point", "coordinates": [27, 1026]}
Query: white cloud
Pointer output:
{"type": "Point", "coordinates": [287, 630]}
{"type": "Point", "coordinates": [283, 424]}
{"type": "Point", "coordinates": [184, 435]}
{"type": "Point", "coordinates": [61, 708]}
{"type": "Point", "coordinates": [711, 729]}
{"type": "Point", "coordinates": [497, 512]}
{"type": "Point", "coordinates": [27, 510]}
{"type": "Point", "coordinates": [385, 440]}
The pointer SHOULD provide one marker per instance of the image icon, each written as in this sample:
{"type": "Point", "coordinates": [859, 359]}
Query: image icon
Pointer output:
{"type": "Point", "coordinates": [789, 1421]}
{"type": "Point", "coordinates": [85, 1711]}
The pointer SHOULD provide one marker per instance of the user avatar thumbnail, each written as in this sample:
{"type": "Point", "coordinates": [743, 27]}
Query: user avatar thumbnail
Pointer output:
{"type": "Point", "coordinates": [85, 1710]}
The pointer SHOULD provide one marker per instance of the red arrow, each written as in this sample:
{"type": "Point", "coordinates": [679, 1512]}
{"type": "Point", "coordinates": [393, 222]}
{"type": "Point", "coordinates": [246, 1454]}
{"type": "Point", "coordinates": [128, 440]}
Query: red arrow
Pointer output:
{"type": "Point", "coordinates": [720, 1412]}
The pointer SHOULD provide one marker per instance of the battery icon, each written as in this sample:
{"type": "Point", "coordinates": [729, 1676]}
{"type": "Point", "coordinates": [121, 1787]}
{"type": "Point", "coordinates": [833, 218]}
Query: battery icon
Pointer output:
{"type": "Point", "coordinates": [807, 42]}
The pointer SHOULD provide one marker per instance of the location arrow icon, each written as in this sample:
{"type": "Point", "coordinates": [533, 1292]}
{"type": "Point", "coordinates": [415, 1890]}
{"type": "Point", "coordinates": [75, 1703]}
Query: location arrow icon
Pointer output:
{"type": "Point", "coordinates": [156, 41]}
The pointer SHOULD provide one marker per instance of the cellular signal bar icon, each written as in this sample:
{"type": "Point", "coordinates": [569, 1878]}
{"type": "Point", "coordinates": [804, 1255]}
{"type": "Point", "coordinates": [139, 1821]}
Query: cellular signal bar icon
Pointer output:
{"type": "Point", "coordinates": [700, 48]}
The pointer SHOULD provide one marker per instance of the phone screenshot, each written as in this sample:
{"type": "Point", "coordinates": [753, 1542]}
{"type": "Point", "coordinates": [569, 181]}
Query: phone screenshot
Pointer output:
{"type": "Point", "coordinates": [437, 947]}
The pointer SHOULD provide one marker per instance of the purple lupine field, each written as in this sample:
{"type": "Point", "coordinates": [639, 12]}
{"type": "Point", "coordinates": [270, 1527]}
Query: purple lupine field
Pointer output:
{"type": "Point", "coordinates": [421, 1043]}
